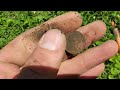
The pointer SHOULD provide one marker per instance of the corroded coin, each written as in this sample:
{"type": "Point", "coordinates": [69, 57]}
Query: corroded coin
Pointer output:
{"type": "Point", "coordinates": [75, 42]}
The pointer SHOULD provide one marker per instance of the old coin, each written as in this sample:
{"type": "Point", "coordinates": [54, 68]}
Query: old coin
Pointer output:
{"type": "Point", "coordinates": [75, 42]}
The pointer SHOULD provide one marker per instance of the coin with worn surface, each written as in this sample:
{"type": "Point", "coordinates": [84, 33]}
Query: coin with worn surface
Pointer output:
{"type": "Point", "coordinates": [75, 42]}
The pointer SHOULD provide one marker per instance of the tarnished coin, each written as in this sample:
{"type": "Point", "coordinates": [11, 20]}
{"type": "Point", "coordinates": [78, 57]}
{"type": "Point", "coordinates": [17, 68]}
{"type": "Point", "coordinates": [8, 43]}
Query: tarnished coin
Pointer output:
{"type": "Point", "coordinates": [75, 42]}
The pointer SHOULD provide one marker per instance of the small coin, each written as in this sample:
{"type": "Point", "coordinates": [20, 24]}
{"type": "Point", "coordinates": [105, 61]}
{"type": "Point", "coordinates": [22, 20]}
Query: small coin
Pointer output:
{"type": "Point", "coordinates": [75, 42]}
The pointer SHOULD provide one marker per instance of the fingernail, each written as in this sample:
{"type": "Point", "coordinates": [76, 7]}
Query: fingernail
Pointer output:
{"type": "Point", "coordinates": [52, 39]}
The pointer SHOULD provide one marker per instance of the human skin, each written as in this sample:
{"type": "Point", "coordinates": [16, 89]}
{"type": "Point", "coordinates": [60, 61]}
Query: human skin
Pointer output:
{"type": "Point", "coordinates": [35, 57]}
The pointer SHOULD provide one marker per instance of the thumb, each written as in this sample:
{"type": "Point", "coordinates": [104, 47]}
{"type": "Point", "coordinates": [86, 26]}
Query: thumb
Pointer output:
{"type": "Point", "coordinates": [47, 56]}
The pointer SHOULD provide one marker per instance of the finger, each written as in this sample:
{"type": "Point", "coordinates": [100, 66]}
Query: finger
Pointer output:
{"type": "Point", "coordinates": [89, 59]}
{"type": "Point", "coordinates": [67, 22]}
{"type": "Point", "coordinates": [94, 72]}
{"type": "Point", "coordinates": [46, 58]}
{"type": "Point", "coordinates": [8, 71]}
{"type": "Point", "coordinates": [77, 42]}
{"type": "Point", "coordinates": [18, 50]}
{"type": "Point", "coordinates": [93, 31]}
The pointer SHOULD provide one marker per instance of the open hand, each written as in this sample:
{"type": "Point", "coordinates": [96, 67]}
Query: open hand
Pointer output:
{"type": "Point", "coordinates": [29, 56]}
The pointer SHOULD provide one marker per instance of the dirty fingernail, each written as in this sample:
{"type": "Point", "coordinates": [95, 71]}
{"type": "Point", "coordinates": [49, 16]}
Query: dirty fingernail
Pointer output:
{"type": "Point", "coordinates": [52, 39]}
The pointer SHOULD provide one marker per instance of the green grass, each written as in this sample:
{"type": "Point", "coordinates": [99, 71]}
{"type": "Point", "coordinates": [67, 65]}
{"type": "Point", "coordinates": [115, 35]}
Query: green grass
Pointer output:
{"type": "Point", "coordinates": [12, 23]}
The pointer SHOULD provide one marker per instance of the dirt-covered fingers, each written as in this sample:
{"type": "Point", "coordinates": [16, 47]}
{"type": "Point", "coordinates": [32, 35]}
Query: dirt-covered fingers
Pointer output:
{"type": "Point", "coordinates": [88, 59]}
{"type": "Point", "coordinates": [19, 49]}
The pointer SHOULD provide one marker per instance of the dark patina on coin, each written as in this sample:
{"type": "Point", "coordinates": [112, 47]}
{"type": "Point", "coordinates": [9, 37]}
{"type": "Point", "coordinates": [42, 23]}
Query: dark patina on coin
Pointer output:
{"type": "Point", "coordinates": [75, 42]}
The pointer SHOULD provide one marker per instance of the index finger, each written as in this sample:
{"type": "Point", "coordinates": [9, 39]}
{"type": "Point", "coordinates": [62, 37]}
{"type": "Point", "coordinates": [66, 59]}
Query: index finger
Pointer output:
{"type": "Point", "coordinates": [69, 21]}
